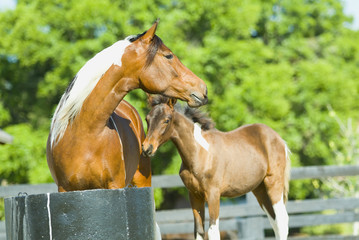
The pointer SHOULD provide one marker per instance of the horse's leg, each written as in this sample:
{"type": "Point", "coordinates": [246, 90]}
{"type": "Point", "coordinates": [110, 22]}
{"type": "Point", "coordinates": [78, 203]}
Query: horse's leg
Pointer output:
{"type": "Point", "coordinates": [213, 209]}
{"type": "Point", "coordinates": [270, 199]}
{"type": "Point", "coordinates": [197, 204]}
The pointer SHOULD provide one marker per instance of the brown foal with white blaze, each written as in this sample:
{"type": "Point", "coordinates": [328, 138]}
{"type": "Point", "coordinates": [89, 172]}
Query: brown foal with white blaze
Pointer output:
{"type": "Point", "coordinates": [229, 164]}
{"type": "Point", "coordinates": [95, 137]}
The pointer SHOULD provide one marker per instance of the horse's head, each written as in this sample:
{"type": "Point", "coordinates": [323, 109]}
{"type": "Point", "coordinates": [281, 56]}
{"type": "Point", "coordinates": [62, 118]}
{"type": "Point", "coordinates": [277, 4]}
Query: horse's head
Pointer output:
{"type": "Point", "coordinates": [159, 124]}
{"type": "Point", "coordinates": [158, 70]}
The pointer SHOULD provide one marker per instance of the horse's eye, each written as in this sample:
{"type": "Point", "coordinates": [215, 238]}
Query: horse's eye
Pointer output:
{"type": "Point", "coordinates": [169, 56]}
{"type": "Point", "coordinates": [167, 121]}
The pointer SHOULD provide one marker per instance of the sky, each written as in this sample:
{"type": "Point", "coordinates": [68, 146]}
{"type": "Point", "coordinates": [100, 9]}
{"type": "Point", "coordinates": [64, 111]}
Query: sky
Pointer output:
{"type": "Point", "coordinates": [7, 4]}
{"type": "Point", "coordinates": [351, 7]}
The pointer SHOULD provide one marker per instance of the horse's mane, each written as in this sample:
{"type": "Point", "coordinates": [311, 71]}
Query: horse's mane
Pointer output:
{"type": "Point", "coordinates": [152, 50]}
{"type": "Point", "coordinates": [81, 86]}
{"type": "Point", "coordinates": [194, 114]}
{"type": "Point", "coordinates": [86, 79]}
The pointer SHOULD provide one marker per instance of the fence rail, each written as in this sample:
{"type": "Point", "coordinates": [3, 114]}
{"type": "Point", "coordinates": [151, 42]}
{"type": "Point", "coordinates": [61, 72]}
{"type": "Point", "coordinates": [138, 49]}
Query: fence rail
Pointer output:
{"type": "Point", "coordinates": [171, 181]}
{"type": "Point", "coordinates": [243, 217]}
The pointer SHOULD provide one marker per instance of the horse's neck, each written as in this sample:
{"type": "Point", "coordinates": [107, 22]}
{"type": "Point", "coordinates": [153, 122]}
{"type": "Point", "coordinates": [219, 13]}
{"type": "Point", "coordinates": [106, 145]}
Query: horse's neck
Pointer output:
{"type": "Point", "coordinates": [184, 140]}
{"type": "Point", "coordinates": [105, 97]}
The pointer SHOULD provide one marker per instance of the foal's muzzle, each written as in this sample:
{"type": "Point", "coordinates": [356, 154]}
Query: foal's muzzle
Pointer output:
{"type": "Point", "coordinates": [147, 152]}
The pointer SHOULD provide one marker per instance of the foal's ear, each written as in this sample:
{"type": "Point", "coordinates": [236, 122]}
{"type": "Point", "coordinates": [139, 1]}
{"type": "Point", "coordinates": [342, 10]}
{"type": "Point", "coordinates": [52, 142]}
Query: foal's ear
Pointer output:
{"type": "Point", "coordinates": [150, 32]}
{"type": "Point", "coordinates": [172, 102]}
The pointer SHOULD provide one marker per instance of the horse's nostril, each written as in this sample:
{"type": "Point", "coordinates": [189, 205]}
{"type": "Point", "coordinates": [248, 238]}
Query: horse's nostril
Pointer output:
{"type": "Point", "coordinates": [150, 149]}
{"type": "Point", "coordinates": [205, 100]}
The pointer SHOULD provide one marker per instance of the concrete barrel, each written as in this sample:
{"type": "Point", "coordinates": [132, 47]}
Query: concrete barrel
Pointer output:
{"type": "Point", "coordinates": [93, 214]}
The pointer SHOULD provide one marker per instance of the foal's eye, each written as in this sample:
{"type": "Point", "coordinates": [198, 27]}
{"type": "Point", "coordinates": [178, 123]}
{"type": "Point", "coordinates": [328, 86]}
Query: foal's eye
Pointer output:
{"type": "Point", "coordinates": [169, 56]}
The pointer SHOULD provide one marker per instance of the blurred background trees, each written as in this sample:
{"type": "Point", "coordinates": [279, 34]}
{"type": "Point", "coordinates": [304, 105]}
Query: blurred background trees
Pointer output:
{"type": "Point", "coordinates": [292, 65]}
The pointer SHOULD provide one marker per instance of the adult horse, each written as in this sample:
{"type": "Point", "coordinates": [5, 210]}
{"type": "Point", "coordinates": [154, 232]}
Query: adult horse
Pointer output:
{"type": "Point", "coordinates": [229, 164]}
{"type": "Point", "coordinates": [95, 137]}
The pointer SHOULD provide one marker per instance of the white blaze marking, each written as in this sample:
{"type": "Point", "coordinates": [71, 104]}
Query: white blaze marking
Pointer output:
{"type": "Point", "coordinates": [199, 138]}
{"type": "Point", "coordinates": [49, 215]}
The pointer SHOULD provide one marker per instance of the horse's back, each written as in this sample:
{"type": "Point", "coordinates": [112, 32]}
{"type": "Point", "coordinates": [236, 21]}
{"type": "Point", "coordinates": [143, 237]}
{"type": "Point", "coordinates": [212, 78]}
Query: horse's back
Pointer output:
{"type": "Point", "coordinates": [256, 134]}
{"type": "Point", "coordinates": [246, 154]}
{"type": "Point", "coordinates": [260, 143]}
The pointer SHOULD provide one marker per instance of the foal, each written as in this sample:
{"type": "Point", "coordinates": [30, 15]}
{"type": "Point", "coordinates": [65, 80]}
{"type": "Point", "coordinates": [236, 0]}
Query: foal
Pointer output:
{"type": "Point", "coordinates": [229, 164]}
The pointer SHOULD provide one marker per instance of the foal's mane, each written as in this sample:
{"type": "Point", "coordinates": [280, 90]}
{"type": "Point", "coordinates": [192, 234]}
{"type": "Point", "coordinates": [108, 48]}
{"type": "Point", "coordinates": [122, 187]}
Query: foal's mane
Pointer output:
{"type": "Point", "coordinates": [194, 114]}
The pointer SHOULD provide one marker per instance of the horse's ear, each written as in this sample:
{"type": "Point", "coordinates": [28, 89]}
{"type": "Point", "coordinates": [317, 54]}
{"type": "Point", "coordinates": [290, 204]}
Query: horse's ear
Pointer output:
{"type": "Point", "coordinates": [172, 102]}
{"type": "Point", "coordinates": [148, 36]}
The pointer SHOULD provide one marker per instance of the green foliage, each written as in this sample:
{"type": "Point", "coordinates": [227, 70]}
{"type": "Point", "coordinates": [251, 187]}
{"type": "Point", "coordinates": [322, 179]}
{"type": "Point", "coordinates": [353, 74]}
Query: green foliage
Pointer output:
{"type": "Point", "coordinates": [282, 63]}
{"type": "Point", "coordinates": [24, 161]}
{"type": "Point", "coordinates": [344, 229]}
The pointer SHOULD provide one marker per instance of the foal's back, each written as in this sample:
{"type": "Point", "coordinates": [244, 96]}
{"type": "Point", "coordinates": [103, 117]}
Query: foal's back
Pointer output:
{"type": "Point", "coordinates": [245, 155]}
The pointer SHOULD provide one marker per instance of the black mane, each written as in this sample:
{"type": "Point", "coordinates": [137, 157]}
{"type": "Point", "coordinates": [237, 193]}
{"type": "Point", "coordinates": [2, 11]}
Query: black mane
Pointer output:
{"type": "Point", "coordinates": [152, 50]}
{"type": "Point", "coordinates": [157, 100]}
{"type": "Point", "coordinates": [197, 116]}
{"type": "Point", "coordinates": [194, 114]}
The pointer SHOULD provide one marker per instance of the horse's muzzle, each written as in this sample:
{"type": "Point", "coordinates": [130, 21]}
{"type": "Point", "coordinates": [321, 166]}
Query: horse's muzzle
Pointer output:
{"type": "Point", "coordinates": [198, 100]}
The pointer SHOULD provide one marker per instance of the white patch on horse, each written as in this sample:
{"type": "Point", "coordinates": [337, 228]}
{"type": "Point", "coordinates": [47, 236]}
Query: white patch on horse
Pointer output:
{"type": "Point", "coordinates": [199, 237]}
{"type": "Point", "coordinates": [49, 215]}
{"type": "Point", "coordinates": [280, 224]}
{"type": "Point", "coordinates": [213, 231]}
{"type": "Point", "coordinates": [199, 138]}
{"type": "Point", "coordinates": [85, 81]}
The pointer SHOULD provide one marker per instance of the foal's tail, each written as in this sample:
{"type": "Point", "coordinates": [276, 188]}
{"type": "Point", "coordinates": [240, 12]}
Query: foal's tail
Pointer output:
{"type": "Point", "coordinates": [287, 173]}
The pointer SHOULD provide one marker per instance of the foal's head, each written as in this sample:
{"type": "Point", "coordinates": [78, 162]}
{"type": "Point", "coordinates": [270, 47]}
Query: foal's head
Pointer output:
{"type": "Point", "coordinates": [159, 124]}
{"type": "Point", "coordinates": [158, 70]}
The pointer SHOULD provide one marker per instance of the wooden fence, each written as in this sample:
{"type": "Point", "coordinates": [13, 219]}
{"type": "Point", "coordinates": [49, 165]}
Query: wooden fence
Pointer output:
{"type": "Point", "coordinates": [246, 220]}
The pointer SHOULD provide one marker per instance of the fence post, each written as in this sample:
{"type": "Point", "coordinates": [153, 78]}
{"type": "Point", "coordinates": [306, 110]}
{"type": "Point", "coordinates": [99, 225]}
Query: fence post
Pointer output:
{"type": "Point", "coordinates": [102, 214]}
{"type": "Point", "coordinates": [251, 228]}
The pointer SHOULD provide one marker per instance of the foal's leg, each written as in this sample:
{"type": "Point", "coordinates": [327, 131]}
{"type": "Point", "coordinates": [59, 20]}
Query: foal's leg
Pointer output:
{"type": "Point", "coordinates": [213, 209]}
{"type": "Point", "coordinates": [197, 204]}
{"type": "Point", "coordinates": [270, 199]}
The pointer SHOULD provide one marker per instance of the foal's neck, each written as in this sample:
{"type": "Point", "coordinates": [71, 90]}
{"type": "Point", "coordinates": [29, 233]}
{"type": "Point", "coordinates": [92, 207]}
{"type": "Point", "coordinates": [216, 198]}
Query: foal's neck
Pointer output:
{"type": "Point", "coordinates": [184, 140]}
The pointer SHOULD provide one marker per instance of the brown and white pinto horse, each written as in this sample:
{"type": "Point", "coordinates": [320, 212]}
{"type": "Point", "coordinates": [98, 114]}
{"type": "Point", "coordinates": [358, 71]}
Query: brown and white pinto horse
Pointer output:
{"type": "Point", "coordinates": [229, 164]}
{"type": "Point", "coordinates": [95, 137]}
